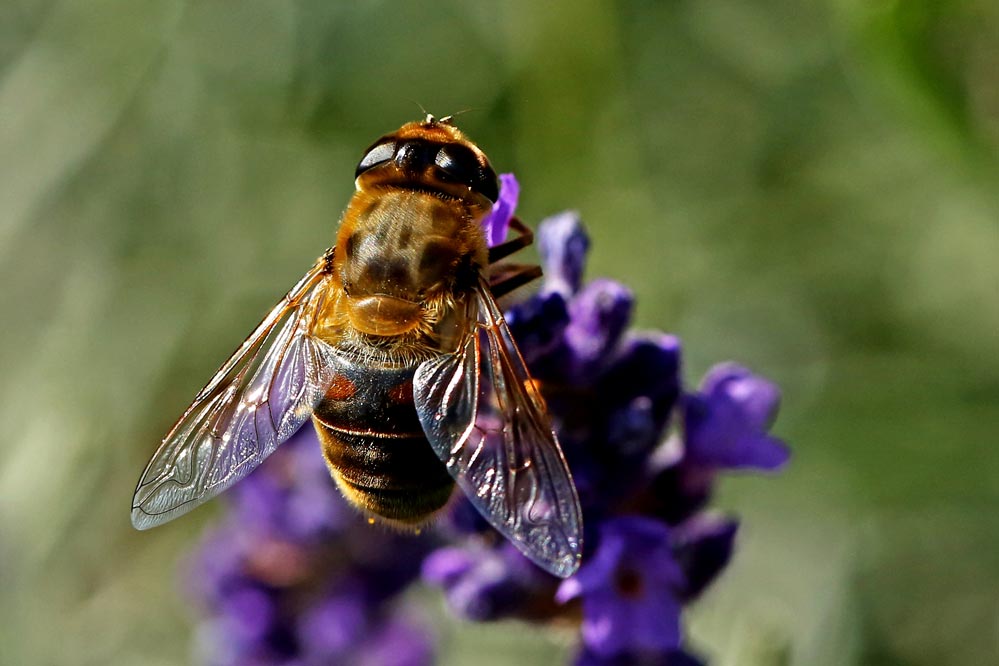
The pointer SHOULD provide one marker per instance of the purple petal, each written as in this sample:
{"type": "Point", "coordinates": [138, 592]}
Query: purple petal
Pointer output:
{"type": "Point", "coordinates": [726, 423]}
{"type": "Point", "coordinates": [603, 617]}
{"type": "Point", "coordinates": [333, 626]}
{"type": "Point", "coordinates": [257, 502]}
{"type": "Point", "coordinates": [314, 508]}
{"type": "Point", "coordinates": [719, 433]}
{"type": "Point", "coordinates": [647, 365]}
{"type": "Point", "coordinates": [761, 452]}
{"type": "Point", "coordinates": [628, 588]}
{"type": "Point", "coordinates": [497, 222]}
{"type": "Point", "coordinates": [487, 584]}
{"type": "Point", "coordinates": [398, 644]}
{"type": "Point", "coordinates": [757, 396]}
{"type": "Point", "coordinates": [314, 511]}
{"type": "Point", "coordinates": [445, 566]}
{"type": "Point", "coordinates": [597, 572]}
{"type": "Point", "coordinates": [248, 613]}
{"type": "Point", "coordinates": [612, 625]}
{"type": "Point", "coordinates": [655, 624]}
{"type": "Point", "coordinates": [648, 548]}
{"type": "Point", "coordinates": [538, 325]}
{"type": "Point", "coordinates": [216, 566]}
{"type": "Point", "coordinates": [563, 245]}
{"type": "Point", "coordinates": [703, 546]}
{"type": "Point", "coordinates": [569, 589]}
{"type": "Point", "coordinates": [638, 389]}
{"type": "Point", "coordinates": [599, 313]}
{"type": "Point", "coordinates": [474, 596]}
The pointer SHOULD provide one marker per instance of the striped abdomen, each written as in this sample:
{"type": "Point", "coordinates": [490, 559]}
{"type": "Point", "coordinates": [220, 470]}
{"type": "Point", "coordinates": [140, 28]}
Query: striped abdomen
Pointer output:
{"type": "Point", "coordinates": [375, 447]}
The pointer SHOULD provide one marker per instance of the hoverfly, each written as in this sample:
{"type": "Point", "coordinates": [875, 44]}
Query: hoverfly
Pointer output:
{"type": "Point", "coordinates": [394, 346]}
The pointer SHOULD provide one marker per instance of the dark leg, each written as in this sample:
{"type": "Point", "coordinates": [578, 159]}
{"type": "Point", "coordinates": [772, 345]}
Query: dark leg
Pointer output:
{"type": "Point", "coordinates": [504, 278]}
{"type": "Point", "coordinates": [506, 248]}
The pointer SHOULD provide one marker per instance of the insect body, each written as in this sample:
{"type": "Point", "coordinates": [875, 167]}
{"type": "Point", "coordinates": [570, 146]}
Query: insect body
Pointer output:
{"type": "Point", "coordinates": [394, 346]}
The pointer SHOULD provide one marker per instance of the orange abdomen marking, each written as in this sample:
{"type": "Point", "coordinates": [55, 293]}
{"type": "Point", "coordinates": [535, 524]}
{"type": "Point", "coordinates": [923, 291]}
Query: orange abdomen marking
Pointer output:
{"type": "Point", "coordinates": [375, 447]}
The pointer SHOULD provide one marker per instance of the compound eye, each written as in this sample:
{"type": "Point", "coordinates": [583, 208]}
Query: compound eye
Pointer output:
{"type": "Point", "coordinates": [379, 154]}
{"type": "Point", "coordinates": [488, 184]}
{"type": "Point", "coordinates": [458, 164]}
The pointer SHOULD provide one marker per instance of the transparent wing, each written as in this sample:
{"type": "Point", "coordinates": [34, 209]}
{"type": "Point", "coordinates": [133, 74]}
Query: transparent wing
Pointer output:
{"type": "Point", "coordinates": [258, 398]}
{"type": "Point", "coordinates": [486, 420]}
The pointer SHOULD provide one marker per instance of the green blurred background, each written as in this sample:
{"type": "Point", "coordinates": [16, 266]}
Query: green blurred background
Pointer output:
{"type": "Point", "coordinates": [808, 188]}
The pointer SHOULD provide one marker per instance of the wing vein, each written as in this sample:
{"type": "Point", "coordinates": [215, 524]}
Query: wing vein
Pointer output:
{"type": "Point", "coordinates": [223, 435]}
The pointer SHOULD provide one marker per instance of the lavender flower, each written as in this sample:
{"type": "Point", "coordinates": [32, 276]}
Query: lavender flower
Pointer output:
{"type": "Point", "coordinates": [491, 583]}
{"type": "Point", "coordinates": [702, 546]}
{"type": "Point", "coordinates": [614, 397]}
{"type": "Point", "coordinates": [292, 576]}
{"type": "Point", "coordinates": [726, 422]}
{"type": "Point", "coordinates": [725, 427]}
{"type": "Point", "coordinates": [629, 589]}
{"type": "Point", "coordinates": [563, 247]}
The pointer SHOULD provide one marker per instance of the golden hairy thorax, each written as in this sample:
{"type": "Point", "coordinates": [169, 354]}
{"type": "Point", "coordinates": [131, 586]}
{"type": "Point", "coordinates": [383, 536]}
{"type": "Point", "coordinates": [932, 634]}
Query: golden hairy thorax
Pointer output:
{"type": "Point", "coordinates": [410, 245]}
{"type": "Point", "coordinates": [402, 255]}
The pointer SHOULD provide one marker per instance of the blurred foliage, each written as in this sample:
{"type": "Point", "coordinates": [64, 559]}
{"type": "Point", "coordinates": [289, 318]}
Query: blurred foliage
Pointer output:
{"type": "Point", "coordinates": [809, 188]}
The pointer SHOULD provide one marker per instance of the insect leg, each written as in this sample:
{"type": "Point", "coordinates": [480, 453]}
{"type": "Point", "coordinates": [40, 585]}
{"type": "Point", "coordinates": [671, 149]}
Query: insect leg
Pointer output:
{"type": "Point", "coordinates": [524, 238]}
{"type": "Point", "coordinates": [504, 278]}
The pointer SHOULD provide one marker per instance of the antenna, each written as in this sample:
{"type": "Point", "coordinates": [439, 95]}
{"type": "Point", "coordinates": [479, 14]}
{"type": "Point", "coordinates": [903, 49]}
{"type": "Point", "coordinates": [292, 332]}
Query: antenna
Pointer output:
{"type": "Point", "coordinates": [447, 120]}
{"type": "Point", "coordinates": [428, 117]}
